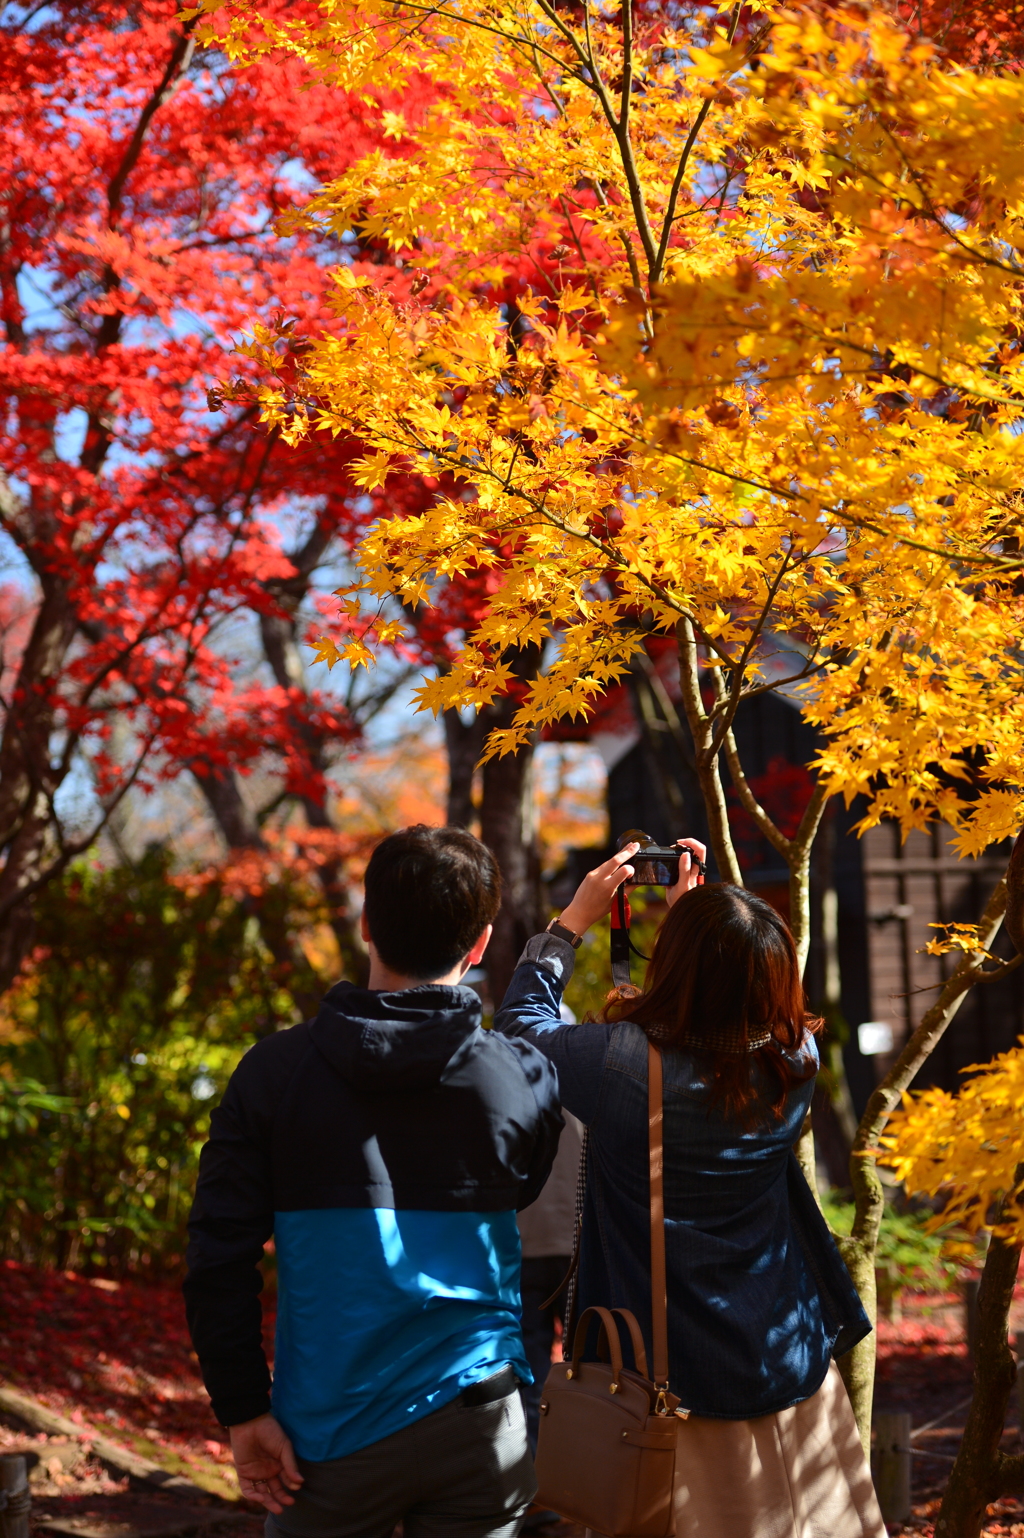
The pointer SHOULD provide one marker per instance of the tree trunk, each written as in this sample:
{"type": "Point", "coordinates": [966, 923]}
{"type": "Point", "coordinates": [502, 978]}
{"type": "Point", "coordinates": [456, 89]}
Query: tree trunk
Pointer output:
{"type": "Point", "coordinates": [16, 936]}
{"type": "Point", "coordinates": [240, 830]}
{"type": "Point", "coordinates": [858, 1366]}
{"type": "Point", "coordinates": [834, 1114]}
{"type": "Point", "coordinates": [859, 1248]}
{"type": "Point", "coordinates": [31, 773]}
{"type": "Point", "coordinates": [1015, 895]}
{"type": "Point", "coordinates": [30, 776]}
{"type": "Point", "coordinates": [836, 1028]}
{"type": "Point", "coordinates": [355, 959]}
{"type": "Point", "coordinates": [799, 861]}
{"type": "Point", "coordinates": [804, 1150]}
{"type": "Point", "coordinates": [233, 816]}
{"type": "Point", "coordinates": [507, 827]}
{"type": "Point", "coordinates": [279, 632]}
{"type": "Point", "coordinates": [465, 743]}
{"type": "Point", "coordinates": [982, 1472]}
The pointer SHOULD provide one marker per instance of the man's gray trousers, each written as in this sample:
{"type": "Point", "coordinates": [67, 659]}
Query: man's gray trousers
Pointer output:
{"type": "Point", "coordinates": [464, 1471]}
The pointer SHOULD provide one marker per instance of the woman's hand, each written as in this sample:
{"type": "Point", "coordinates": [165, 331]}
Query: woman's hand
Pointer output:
{"type": "Point", "coordinates": [689, 875]}
{"type": "Point", "coordinates": [593, 898]}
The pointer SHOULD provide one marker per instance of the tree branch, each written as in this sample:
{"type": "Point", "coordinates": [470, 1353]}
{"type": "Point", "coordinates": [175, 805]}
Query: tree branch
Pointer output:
{"type": "Point", "coordinates": [996, 974]}
{"type": "Point", "coordinates": [799, 864]}
{"type": "Point", "coordinates": [772, 832]}
{"type": "Point", "coordinates": [177, 64]}
{"type": "Point", "coordinates": [705, 763]}
{"type": "Point", "coordinates": [923, 1041]}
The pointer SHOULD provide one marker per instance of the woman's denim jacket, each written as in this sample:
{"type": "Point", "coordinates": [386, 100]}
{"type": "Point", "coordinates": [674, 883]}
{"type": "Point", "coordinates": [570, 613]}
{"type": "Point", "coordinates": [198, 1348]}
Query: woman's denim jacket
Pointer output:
{"type": "Point", "coordinates": [758, 1296]}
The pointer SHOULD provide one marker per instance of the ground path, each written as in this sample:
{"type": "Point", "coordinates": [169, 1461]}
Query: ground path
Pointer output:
{"type": "Point", "coordinates": [116, 1357]}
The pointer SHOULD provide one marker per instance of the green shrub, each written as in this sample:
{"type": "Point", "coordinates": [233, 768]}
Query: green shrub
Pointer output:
{"type": "Point", "coordinates": [142, 995]}
{"type": "Point", "coordinates": [908, 1256]}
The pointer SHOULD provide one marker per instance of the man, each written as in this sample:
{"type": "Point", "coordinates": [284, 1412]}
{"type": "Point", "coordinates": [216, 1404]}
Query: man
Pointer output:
{"type": "Point", "coordinates": [386, 1145]}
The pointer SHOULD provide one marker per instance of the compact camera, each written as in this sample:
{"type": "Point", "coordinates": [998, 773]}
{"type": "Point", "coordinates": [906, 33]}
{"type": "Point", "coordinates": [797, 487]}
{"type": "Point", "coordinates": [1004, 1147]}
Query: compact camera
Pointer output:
{"type": "Point", "coordinates": [654, 864]}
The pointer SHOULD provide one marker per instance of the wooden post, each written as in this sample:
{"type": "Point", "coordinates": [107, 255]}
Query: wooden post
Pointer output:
{"type": "Point", "coordinates": [892, 1465]}
{"type": "Point", "coordinates": [972, 1284]}
{"type": "Point", "coordinates": [14, 1496]}
{"type": "Point", "coordinates": [1018, 1341]}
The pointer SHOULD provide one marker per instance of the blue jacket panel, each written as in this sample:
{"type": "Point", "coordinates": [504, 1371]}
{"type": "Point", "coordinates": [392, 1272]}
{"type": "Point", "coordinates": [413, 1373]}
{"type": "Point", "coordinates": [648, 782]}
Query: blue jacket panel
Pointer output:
{"type": "Point", "coordinates": [386, 1102]}
{"type": "Point", "coordinates": [759, 1297]}
{"type": "Point", "coordinates": [384, 1316]}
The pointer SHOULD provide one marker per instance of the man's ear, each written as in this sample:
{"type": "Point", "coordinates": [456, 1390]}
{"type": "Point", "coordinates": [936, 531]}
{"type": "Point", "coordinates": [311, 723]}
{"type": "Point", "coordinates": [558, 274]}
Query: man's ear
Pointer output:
{"type": "Point", "coordinates": [481, 945]}
{"type": "Point", "coordinates": [364, 928]}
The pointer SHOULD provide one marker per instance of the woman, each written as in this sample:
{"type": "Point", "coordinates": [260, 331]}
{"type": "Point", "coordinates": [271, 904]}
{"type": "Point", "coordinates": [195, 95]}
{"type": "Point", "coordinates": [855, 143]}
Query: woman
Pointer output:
{"type": "Point", "coordinates": [759, 1299]}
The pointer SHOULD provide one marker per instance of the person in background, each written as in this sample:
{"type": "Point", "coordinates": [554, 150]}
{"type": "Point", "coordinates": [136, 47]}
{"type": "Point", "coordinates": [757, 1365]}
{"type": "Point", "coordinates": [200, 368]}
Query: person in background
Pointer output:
{"type": "Point", "coordinates": [386, 1145]}
{"type": "Point", "coordinates": [547, 1232]}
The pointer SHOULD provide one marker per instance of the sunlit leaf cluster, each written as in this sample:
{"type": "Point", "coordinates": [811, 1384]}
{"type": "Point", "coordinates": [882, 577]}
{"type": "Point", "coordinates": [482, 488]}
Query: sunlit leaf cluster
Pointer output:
{"type": "Point", "coordinates": [714, 318]}
{"type": "Point", "coordinates": [967, 1149]}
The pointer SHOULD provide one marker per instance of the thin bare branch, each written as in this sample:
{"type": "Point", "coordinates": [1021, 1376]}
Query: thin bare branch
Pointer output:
{"type": "Point", "coordinates": [706, 763]}
{"type": "Point", "coordinates": [996, 974]}
{"type": "Point", "coordinates": [177, 64]}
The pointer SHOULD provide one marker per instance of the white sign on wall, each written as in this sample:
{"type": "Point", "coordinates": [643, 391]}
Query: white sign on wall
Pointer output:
{"type": "Point", "coordinates": [874, 1037]}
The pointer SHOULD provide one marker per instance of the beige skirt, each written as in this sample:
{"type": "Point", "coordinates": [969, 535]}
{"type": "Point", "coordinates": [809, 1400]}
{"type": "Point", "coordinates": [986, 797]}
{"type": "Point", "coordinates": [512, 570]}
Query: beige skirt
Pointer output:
{"type": "Point", "coordinates": [798, 1474]}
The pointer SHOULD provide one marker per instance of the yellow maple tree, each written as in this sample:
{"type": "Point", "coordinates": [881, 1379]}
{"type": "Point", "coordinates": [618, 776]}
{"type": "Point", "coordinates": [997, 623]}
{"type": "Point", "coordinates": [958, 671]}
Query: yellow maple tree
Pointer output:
{"type": "Point", "coordinates": [733, 392]}
{"type": "Point", "coordinates": [713, 330]}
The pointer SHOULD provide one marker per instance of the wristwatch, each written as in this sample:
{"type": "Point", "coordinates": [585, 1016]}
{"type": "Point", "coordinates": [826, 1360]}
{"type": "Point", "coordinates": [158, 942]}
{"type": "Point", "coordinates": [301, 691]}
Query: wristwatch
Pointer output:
{"type": "Point", "coordinates": [562, 932]}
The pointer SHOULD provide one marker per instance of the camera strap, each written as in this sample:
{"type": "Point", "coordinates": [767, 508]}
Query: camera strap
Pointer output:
{"type": "Point", "coordinates": [621, 944]}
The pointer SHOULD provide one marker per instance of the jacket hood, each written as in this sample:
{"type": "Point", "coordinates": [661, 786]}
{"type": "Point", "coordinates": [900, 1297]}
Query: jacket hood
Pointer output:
{"type": "Point", "coordinates": [395, 1041]}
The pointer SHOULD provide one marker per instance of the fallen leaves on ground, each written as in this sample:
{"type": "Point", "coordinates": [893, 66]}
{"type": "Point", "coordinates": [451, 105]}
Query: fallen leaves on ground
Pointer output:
{"type": "Point", "coordinates": [115, 1356]}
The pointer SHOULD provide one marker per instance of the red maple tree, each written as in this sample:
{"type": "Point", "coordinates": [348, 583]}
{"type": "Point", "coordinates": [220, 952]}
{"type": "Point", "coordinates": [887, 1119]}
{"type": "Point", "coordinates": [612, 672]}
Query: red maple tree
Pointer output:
{"type": "Point", "coordinates": [160, 555]}
{"type": "Point", "coordinates": [980, 33]}
{"type": "Point", "coordinates": [168, 556]}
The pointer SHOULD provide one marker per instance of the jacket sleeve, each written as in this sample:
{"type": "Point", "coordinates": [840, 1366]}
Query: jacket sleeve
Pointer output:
{"type": "Point", "coordinates": [530, 1009]}
{"type": "Point", "coordinates": [232, 1218]}
{"type": "Point", "coordinates": [543, 1081]}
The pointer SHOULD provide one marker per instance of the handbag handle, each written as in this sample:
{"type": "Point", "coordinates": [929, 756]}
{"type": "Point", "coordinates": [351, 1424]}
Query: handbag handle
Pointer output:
{"type": "Point", "coordinates": [609, 1335]}
{"type": "Point", "coordinates": [659, 1281]}
{"type": "Point", "coordinates": [639, 1353]}
{"type": "Point", "coordinates": [636, 1339]}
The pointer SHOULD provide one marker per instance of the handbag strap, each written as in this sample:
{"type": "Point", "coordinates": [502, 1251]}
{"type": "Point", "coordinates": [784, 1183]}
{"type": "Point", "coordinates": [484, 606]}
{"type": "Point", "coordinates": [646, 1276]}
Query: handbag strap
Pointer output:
{"type": "Point", "coordinates": [659, 1281]}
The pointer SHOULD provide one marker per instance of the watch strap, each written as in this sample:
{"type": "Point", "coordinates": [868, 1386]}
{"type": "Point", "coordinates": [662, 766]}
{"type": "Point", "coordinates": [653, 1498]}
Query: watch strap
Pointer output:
{"type": "Point", "coordinates": [563, 932]}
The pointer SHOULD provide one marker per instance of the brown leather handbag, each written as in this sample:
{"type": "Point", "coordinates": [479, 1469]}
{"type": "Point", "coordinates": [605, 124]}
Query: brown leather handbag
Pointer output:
{"type": "Point", "coordinates": [606, 1450]}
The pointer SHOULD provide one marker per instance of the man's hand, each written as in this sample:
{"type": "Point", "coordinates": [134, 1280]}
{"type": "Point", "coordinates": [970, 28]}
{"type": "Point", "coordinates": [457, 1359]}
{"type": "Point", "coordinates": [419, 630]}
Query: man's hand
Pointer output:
{"type": "Point", "coordinates": [265, 1462]}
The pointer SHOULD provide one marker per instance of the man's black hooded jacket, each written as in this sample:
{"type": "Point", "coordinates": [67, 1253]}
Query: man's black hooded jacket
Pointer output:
{"type": "Point", "coordinates": [386, 1146]}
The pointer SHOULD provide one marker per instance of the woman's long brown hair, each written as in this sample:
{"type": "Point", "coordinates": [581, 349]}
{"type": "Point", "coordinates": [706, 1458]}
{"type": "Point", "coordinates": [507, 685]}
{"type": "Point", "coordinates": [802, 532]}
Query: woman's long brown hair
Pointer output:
{"type": "Point", "coordinates": [724, 968]}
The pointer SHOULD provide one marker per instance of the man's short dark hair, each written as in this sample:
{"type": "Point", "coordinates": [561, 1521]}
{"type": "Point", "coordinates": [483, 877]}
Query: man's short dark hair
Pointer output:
{"type": "Point", "coordinates": [430, 892]}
